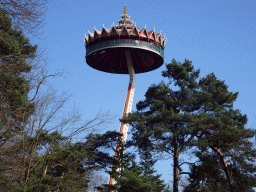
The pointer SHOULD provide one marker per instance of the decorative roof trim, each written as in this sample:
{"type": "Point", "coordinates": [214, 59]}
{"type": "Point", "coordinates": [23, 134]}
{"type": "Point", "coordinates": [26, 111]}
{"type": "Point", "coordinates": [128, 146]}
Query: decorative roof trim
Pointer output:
{"type": "Point", "coordinates": [135, 30]}
{"type": "Point", "coordinates": [90, 36]}
{"type": "Point", "coordinates": [85, 39]}
{"type": "Point", "coordinates": [97, 34]}
{"type": "Point", "coordinates": [124, 30]}
{"type": "Point", "coordinates": [144, 32]}
{"type": "Point", "coordinates": [114, 30]}
{"type": "Point", "coordinates": [158, 37]}
{"type": "Point", "coordinates": [151, 35]}
{"type": "Point", "coordinates": [104, 30]}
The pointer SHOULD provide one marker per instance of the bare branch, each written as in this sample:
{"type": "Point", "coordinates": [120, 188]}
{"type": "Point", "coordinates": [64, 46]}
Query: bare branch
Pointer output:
{"type": "Point", "coordinates": [27, 15]}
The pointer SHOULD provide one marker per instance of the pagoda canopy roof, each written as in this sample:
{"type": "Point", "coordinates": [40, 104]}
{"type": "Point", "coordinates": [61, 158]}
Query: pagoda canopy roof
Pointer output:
{"type": "Point", "coordinates": [125, 27]}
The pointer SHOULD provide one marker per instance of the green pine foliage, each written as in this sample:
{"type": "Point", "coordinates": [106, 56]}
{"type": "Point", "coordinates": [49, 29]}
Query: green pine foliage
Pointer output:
{"type": "Point", "coordinates": [139, 177]}
{"type": "Point", "coordinates": [198, 113]}
{"type": "Point", "coordinates": [222, 130]}
{"type": "Point", "coordinates": [15, 54]}
{"type": "Point", "coordinates": [206, 176]}
{"type": "Point", "coordinates": [133, 176]}
{"type": "Point", "coordinates": [53, 163]}
{"type": "Point", "coordinates": [133, 180]}
{"type": "Point", "coordinates": [160, 122]}
{"type": "Point", "coordinates": [147, 167]}
{"type": "Point", "coordinates": [63, 166]}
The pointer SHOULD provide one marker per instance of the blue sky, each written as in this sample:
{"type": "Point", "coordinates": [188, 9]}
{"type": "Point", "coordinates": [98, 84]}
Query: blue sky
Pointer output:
{"type": "Point", "coordinates": [217, 35]}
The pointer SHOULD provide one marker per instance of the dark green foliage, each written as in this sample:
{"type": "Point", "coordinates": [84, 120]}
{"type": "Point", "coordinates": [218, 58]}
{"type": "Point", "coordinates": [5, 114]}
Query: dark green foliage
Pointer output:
{"type": "Point", "coordinates": [222, 129]}
{"type": "Point", "coordinates": [161, 122]}
{"type": "Point", "coordinates": [133, 180]}
{"type": "Point", "coordinates": [147, 167]}
{"type": "Point", "coordinates": [64, 166]}
{"type": "Point", "coordinates": [140, 177]}
{"type": "Point", "coordinates": [15, 53]}
{"type": "Point", "coordinates": [244, 180]}
{"type": "Point", "coordinates": [100, 145]}
{"type": "Point", "coordinates": [207, 176]}
{"type": "Point", "coordinates": [199, 114]}
{"type": "Point", "coordinates": [133, 177]}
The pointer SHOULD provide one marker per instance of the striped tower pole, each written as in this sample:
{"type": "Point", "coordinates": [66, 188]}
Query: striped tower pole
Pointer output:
{"type": "Point", "coordinates": [127, 108]}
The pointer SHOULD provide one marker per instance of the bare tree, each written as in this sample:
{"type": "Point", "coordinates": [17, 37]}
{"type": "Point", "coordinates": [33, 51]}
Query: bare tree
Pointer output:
{"type": "Point", "coordinates": [27, 15]}
{"type": "Point", "coordinates": [22, 155]}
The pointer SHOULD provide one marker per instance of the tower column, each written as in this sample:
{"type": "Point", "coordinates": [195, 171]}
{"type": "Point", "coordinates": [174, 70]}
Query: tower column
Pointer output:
{"type": "Point", "coordinates": [127, 108]}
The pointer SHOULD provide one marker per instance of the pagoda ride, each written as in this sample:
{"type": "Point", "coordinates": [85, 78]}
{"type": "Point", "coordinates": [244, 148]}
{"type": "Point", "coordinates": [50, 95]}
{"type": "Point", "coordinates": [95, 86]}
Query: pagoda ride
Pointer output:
{"type": "Point", "coordinates": [124, 49]}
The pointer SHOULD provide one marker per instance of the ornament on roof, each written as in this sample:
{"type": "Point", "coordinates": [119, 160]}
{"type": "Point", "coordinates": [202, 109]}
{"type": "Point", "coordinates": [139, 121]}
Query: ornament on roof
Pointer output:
{"type": "Point", "coordinates": [125, 10]}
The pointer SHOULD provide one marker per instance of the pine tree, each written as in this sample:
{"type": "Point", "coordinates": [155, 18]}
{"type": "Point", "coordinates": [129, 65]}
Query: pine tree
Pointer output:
{"type": "Point", "coordinates": [160, 123]}
{"type": "Point", "coordinates": [133, 176]}
{"type": "Point", "coordinates": [15, 107]}
{"type": "Point", "coordinates": [15, 52]}
{"type": "Point", "coordinates": [147, 167]}
{"type": "Point", "coordinates": [139, 178]}
{"type": "Point", "coordinates": [222, 130]}
{"type": "Point", "coordinates": [132, 180]}
{"type": "Point", "coordinates": [207, 175]}
{"type": "Point", "coordinates": [200, 114]}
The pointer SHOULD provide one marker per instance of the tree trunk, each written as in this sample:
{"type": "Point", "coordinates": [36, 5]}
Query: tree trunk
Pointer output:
{"type": "Point", "coordinates": [175, 166]}
{"type": "Point", "coordinates": [225, 167]}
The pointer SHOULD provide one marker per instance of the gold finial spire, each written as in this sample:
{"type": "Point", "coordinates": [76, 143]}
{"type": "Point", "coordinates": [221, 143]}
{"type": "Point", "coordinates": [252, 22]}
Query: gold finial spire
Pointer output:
{"type": "Point", "coordinates": [125, 9]}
